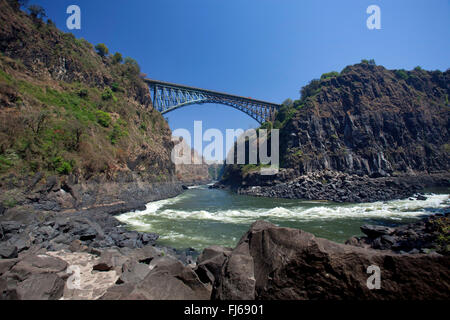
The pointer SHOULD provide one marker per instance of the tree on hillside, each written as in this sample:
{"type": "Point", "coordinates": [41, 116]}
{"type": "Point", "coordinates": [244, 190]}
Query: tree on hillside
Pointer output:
{"type": "Point", "coordinates": [310, 89]}
{"type": "Point", "coordinates": [17, 4]}
{"type": "Point", "coordinates": [288, 102]}
{"type": "Point", "coordinates": [117, 58]}
{"type": "Point", "coordinates": [133, 67]}
{"type": "Point", "coordinates": [102, 50]}
{"type": "Point", "coordinates": [37, 12]}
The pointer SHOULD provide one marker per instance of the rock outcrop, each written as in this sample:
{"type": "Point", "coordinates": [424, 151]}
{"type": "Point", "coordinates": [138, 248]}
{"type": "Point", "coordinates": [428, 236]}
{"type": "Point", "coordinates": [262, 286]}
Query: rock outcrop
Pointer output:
{"type": "Point", "coordinates": [270, 262]}
{"type": "Point", "coordinates": [360, 125]}
{"type": "Point", "coordinates": [193, 170]}
{"type": "Point", "coordinates": [87, 228]}
{"type": "Point", "coordinates": [428, 235]}
{"type": "Point", "coordinates": [164, 279]}
{"type": "Point", "coordinates": [77, 129]}
{"type": "Point", "coordinates": [35, 276]}
{"type": "Point", "coordinates": [338, 187]}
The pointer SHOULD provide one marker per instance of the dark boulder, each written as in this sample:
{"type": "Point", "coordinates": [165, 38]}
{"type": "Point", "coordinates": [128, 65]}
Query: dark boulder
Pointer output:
{"type": "Point", "coordinates": [44, 286]}
{"type": "Point", "coordinates": [7, 251]}
{"type": "Point", "coordinates": [133, 272]}
{"type": "Point", "coordinates": [35, 276]}
{"type": "Point", "coordinates": [376, 231]}
{"type": "Point", "coordinates": [282, 264]}
{"type": "Point", "coordinates": [168, 279]}
{"type": "Point", "coordinates": [210, 262]}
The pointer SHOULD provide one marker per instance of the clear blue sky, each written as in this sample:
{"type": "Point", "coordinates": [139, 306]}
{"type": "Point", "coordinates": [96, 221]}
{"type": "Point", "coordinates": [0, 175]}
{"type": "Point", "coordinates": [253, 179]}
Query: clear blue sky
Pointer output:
{"type": "Point", "coordinates": [265, 49]}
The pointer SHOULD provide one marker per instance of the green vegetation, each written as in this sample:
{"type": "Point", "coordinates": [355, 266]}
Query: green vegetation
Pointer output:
{"type": "Point", "coordinates": [117, 58]}
{"type": "Point", "coordinates": [283, 115]}
{"type": "Point", "coordinates": [246, 169]}
{"type": "Point", "coordinates": [329, 75]}
{"type": "Point", "coordinates": [10, 203]}
{"type": "Point", "coordinates": [297, 152]}
{"type": "Point", "coordinates": [115, 87]}
{"type": "Point", "coordinates": [369, 62]}
{"type": "Point", "coordinates": [402, 74]}
{"type": "Point", "coordinates": [102, 50]}
{"type": "Point", "coordinates": [62, 166]}
{"type": "Point", "coordinates": [63, 132]}
{"type": "Point", "coordinates": [36, 11]}
{"type": "Point", "coordinates": [108, 94]}
{"type": "Point", "coordinates": [119, 131]}
{"type": "Point", "coordinates": [88, 120]}
{"type": "Point", "coordinates": [132, 66]}
{"type": "Point", "coordinates": [103, 118]}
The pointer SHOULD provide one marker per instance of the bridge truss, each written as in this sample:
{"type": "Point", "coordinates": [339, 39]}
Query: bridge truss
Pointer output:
{"type": "Point", "coordinates": [167, 97]}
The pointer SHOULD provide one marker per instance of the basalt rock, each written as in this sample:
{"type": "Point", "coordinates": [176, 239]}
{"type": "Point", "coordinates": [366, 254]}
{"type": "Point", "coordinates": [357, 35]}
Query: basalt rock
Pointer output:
{"type": "Point", "coordinates": [167, 279]}
{"type": "Point", "coordinates": [427, 235]}
{"type": "Point", "coordinates": [271, 262]}
{"type": "Point", "coordinates": [340, 187]}
{"type": "Point", "coordinates": [32, 277]}
{"type": "Point", "coordinates": [95, 229]}
{"type": "Point", "coordinates": [381, 136]}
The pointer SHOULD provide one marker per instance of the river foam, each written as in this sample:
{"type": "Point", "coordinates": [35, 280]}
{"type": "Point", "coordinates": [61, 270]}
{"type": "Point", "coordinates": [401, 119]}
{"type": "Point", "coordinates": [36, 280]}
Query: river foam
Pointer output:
{"type": "Point", "coordinates": [396, 209]}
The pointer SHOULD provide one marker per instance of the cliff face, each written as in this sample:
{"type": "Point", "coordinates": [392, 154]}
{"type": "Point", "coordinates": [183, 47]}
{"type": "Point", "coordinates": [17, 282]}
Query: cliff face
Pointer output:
{"type": "Point", "coordinates": [197, 172]}
{"type": "Point", "coordinates": [372, 121]}
{"type": "Point", "coordinates": [77, 129]}
{"type": "Point", "coordinates": [353, 127]}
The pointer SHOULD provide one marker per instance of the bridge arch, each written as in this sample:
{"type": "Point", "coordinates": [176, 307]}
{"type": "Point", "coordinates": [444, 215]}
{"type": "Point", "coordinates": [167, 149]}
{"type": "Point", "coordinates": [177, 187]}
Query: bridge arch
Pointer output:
{"type": "Point", "coordinates": [168, 97]}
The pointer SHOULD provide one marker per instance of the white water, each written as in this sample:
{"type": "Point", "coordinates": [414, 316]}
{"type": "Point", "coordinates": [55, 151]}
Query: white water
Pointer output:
{"type": "Point", "coordinates": [395, 210]}
{"type": "Point", "coordinates": [201, 217]}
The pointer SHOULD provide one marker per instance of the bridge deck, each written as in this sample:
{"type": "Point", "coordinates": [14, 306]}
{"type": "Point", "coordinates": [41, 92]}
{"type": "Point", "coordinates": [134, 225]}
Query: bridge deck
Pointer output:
{"type": "Point", "coordinates": [180, 86]}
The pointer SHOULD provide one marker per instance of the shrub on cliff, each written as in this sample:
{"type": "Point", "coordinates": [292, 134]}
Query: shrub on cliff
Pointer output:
{"type": "Point", "coordinates": [370, 62]}
{"type": "Point", "coordinates": [117, 58]}
{"type": "Point", "coordinates": [311, 89]}
{"type": "Point", "coordinates": [132, 67]}
{"type": "Point", "coordinates": [103, 118]}
{"type": "Point", "coordinates": [108, 95]}
{"type": "Point", "coordinates": [102, 50]}
{"type": "Point", "coordinates": [37, 12]}
{"type": "Point", "coordinates": [329, 75]}
{"type": "Point", "coordinates": [402, 74]}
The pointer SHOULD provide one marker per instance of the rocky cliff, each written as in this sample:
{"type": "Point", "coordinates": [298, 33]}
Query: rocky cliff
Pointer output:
{"type": "Point", "coordinates": [77, 128]}
{"type": "Point", "coordinates": [366, 122]}
{"type": "Point", "coordinates": [196, 171]}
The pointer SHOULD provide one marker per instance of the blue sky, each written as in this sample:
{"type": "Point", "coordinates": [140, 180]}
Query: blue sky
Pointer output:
{"type": "Point", "coordinates": [265, 49]}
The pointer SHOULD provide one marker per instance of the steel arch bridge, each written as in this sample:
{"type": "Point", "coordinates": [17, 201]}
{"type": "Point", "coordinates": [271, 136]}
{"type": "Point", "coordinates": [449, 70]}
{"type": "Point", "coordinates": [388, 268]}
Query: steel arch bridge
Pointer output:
{"type": "Point", "coordinates": [167, 97]}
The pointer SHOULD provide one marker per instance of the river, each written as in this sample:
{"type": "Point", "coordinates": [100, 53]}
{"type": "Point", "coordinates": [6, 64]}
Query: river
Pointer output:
{"type": "Point", "coordinates": [201, 217]}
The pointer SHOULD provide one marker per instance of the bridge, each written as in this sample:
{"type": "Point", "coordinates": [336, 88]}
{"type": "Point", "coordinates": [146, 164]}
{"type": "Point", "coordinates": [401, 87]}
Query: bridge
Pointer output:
{"type": "Point", "coordinates": [167, 97]}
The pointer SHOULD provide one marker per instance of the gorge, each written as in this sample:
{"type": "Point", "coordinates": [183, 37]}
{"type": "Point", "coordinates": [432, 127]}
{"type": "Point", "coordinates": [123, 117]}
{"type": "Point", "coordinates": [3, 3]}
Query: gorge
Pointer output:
{"type": "Point", "coordinates": [87, 181]}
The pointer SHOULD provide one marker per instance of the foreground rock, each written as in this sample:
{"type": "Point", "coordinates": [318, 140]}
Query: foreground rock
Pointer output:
{"type": "Point", "coordinates": [94, 229]}
{"type": "Point", "coordinates": [36, 276]}
{"type": "Point", "coordinates": [428, 235]}
{"type": "Point", "coordinates": [164, 279]}
{"type": "Point", "coordinates": [283, 264]}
